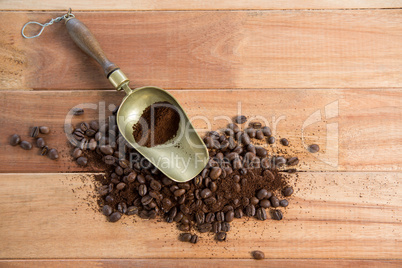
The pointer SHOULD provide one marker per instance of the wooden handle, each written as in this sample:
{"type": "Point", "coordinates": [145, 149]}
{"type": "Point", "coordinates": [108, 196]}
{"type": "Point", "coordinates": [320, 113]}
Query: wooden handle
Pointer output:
{"type": "Point", "coordinates": [83, 37]}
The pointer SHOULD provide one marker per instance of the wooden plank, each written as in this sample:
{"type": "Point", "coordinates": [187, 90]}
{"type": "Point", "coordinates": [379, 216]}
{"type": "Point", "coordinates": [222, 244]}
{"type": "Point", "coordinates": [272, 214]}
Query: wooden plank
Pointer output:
{"type": "Point", "coordinates": [196, 5]}
{"type": "Point", "coordinates": [356, 129]}
{"type": "Point", "coordinates": [297, 263]}
{"type": "Point", "coordinates": [331, 215]}
{"type": "Point", "coordinates": [216, 49]}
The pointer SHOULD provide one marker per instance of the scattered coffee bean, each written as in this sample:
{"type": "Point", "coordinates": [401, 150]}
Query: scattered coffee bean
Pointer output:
{"type": "Point", "coordinates": [44, 130]}
{"type": "Point", "coordinates": [256, 125]}
{"type": "Point", "coordinates": [271, 140]}
{"type": "Point", "coordinates": [115, 216]}
{"type": "Point", "coordinates": [313, 148]}
{"type": "Point", "coordinates": [283, 203]}
{"type": "Point", "coordinates": [15, 140]}
{"type": "Point", "coordinates": [280, 161]}
{"type": "Point", "coordinates": [206, 227]}
{"type": "Point", "coordinates": [34, 132]}
{"type": "Point", "coordinates": [132, 210]}
{"type": "Point", "coordinates": [194, 239]}
{"type": "Point", "coordinates": [259, 135]}
{"type": "Point", "coordinates": [277, 214]}
{"type": "Point", "coordinates": [225, 227]}
{"type": "Point", "coordinates": [185, 237]}
{"type": "Point", "coordinates": [44, 151]}
{"type": "Point", "coordinates": [229, 216]}
{"type": "Point", "coordinates": [82, 161]}
{"type": "Point", "coordinates": [258, 255]}
{"type": "Point", "coordinates": [26, 145]}
{"type": "Point", "coordinates": [241, 119]}
{"type": "Point", "coordinates": [78, 111]}
{"type": "Point", "coordinates": [288, 191]}
{"type": "Point", "coordinates": [261, 214]}
{"type": "Point", "coordinates": [221, 236]}
{"type": "Point", "coordinates": [261, 194]}
{"type": "Point", "coordinates": [293, 161]}
{"type": "Point", "coordinates": [284, 142]}
{"type": "Point", "coordinates": [274, 201]}
{"type": "Point", "coordinates": [107, 210]}
{"type": "Point", "coordinates": [265, 203]}
{"type": "Point", "coordinates": [40, 143]}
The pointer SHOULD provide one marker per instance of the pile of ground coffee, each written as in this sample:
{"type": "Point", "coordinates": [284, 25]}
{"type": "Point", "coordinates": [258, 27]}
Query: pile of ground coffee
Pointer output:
{"type": "Point", "coordinates": [158, 124]}
{"type": "Point", "coordinates": [240, 180]}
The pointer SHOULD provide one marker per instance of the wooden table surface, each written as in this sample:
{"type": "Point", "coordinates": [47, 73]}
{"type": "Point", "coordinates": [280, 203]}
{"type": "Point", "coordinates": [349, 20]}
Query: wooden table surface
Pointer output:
{"type": "Point", "coordinates": [325, 72]}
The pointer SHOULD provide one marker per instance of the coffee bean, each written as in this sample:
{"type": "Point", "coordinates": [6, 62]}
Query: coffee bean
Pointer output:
{"type": "Point", "coordinates": [271, 140]}
{"type": "Point", "coordinates": [210, 217]}
{"type": "Point", "coordinates": [274, 201]}
{"type": "Point", "coordinates": [179, 192]}
{"type": "Point", "coordinates": [237, 187]}
{"type": "Point", "coordinates": [241, 119]}
{"type": "Point", "coordinates": [15, 140]}
{"type": "Point", "coordinates": [245, 201]}
{"type": "Point", "coordinates": [109, 159]}
{"type": "Point", "coordinates": [77, 153]}
{"type": "Point", "coordinates": [254, 201]}
{"type": "Point", "coordinates": [245, 139]}
{"type": "Point", "coordinates": [107, 210]}
{"type": "Point", "coordinates": [206, 193]}
{"type": "Point", "coordinates": [221, 236]}
{"type": "Point", "coordinates": [284, 142]}
{"type": "Point", "coordinates": [265, 163]}
{"type": "Point", "coordinates": [115, 216]}
{"type": "Point", "coordinates": [261, 214]}
{"type": "Point", "coordinates": [44, 151]}
{"type": "Point", "coordinates": [261, 194]}
{"type": "Point", "coordinates": [266, 131]}
{"type": "Point", "coordinates": [238, 213]}
{"type": "Point", "coordinates": [229, 216]}
{"type": "Point", "coordinates": [98, 136]}
{"type": "Point", "coordinates": [106, 149]}
{"type": "Point", "coordinates": [40, 143]}
{"type": "Point", "coordinates": [53, 154]}
{"type": "Point", "coordinates": [288, 191]}
{"type": "Point", "coordinates": [94, 125]}
{"type": "Point", "coordinates": [210, 201]}
{"type": "Point", "coordinates": [258, 255]}
{"type": "Point", "coordinates": [213, 186]}
{"type": "Point", "coordinates": [280, 161]}
{"type": "Point", "coordinates": [256, 125]}
{"type": "Point", "coordinates": [132, 210]}
{"type": "Point", "coordinates": [313, 148]}
{"type": "Point", "coordinates": [234, 127]}
{"type": "Point", "coordinates": [206, 227]}
{"type": "Point", "coordinates": [34, 132]}
{"type": "Point", "coordinates": [251, 132]}
{"type": "Point", "coordinates": [215, 173]}
{"type": "Point", "coordinates": [199, 217]}
{"type": "Point", "coordinates": [276, 214]}
{"type": "Point", "coordinates": [156, 185]}
{"type": "Point", "coordinates": [194, 239]}
{"type": "Point", "coordinates": [293, 161]}
{"type": "Point", "coordinates": [179, 216]}
{"type": "Point", "coordinates": [78, 111]}
{"type": "Point", "coordinates": [283, 203]}
{"type": "Point", "coordinates": [216, 227]}
{"type": "Point", "coordinates": [220, 216]}
{"type": "Point", "coordinates": [185, 237]}
{"type": "Point", "coordinates": [120, 186]}
{"type": "Point", "coordinates": [118, 170]}
{"type": "Point", "coordinates": [82, 161]}
{"type": "Point", "coordinates": [265, 203]}
{"type": "Point", "coordinates": [269, 175]}
{"type": "Point", "coordinates": [260, 151]}
{"type": "Point", "coordinates": [122, 207]}
{"type": "Point", "coordinates": [250, 210]}
{"type": "Point", "coordinates": [225, 227]}
{"type": "Point", "coordinates": [259, 135]}
{"type": "Point", "coordinates": [44, 130]}
{"type": "Point", "coordinates": [92, 144]}
{"type": "Point", "coordinates": [145, 200]}
{"type": "Point", "coordinates": [237, 164]}
{"type": "Point", "coordinates": [142, 189]}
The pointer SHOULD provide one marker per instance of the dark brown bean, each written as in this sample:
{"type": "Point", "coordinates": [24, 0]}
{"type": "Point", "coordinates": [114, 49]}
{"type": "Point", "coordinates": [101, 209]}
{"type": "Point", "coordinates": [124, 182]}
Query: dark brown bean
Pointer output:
{"type": "Point", "coordinates": [115, 216]}
{"type": "Point", "coordinates": [132, 210]}
{"type": "Point", "coordinates": [234, 127]}
{"type": "Point", "coordinates": [185, 237]}
{"type": "Point", "coordinates": [256, 125]}
{"type": "Point", "coordinates": [145, 200]}
{"type": "Point", "coordinates": [261, 214]}
{"type": "Point", "coordinates": [109, 159]}
{"type": "Point", "coordinates": [280, 161]}
{"type": "Point", "coordinates": [271, 140]}
{"type": "Point", "coordinates": [199, 217]}
{"type": "Point", "coordinates": [283, 203]}
{"type": "Point", "coordinates": [210, 217]}
{"type": "Point", "coordinates": [265, 203]}
{"type": "Point", "coordinates": [122, 207]}
{"type": "Point", "coordinates": [179, 192]}
{"type": "Point", "coordinates": [15, 140]}
{"type": "Point", "coordinates": [106, 149]}
{"type": "Point", "coordinates": [34, 132]}
{"type": "Point", "coordinates": [238, 213]}
{"type": "Point", "coordinates": [26, 145]}
{"type": "Point", "coordinates": [206, 193]}
{"type": "Point", "coordinates": [293, 161]}
{"type": "Point", "coordinates": [261, 194]}
{"type": "Point", "coordinates": [225, 227]}
{"type": "Point", "coordinates": [229, 216]}
{"type": "Point", "coordinates": [78, 111]}
{"type": "Point", "coordinates": [40, 143]}
{"type": "Point", "coordinates": [221, 236]}
{"type": "Point", "coordinates": [250, 210]}
{"type": "Point", "coordinates": [260, 151]}
{"type": "Point", "coordinates": [44, 151]}
{"type": "Point", "coordinates": [274, 201]}
{"type": "Point", "coordinates": [44, 130]}
{"type": "Point", "coordinates": [258, 255]}
{"type": "Point", "coordinates": [194, 239]}
{"type": "Point", "coordinates": [288, 191]}
{"type": "Point", "coordinates": [77, 153]}
{"type": "Point", "coordinates": [216, 227]}
{"type": "Point", "coordinates": [120, 186]}
{"type": "Point", "coordinates": [53, 154]}
{"type": "Point", "coordinates": [284, 142]}
{"type": "Point", "coordinates": [215, 173]}
{"type": "Point", "coordinates": [251, 132]}
{"type": "Point", "coordinates": [276, 214]}
{"type": "Point", "coordinates": [206, 227]}
{"type": "Point", "coordinates": [313, 148]}
{"type": "Point", "coordinates": [241, 119]}
{"type": "Point", "coordinates": [107, 210]}
{"type": "Point", "coordinates": [259, 135]}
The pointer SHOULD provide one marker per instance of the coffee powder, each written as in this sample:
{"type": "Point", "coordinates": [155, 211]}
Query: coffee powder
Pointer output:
{"type": "Point", "coordinates": [158, 124]}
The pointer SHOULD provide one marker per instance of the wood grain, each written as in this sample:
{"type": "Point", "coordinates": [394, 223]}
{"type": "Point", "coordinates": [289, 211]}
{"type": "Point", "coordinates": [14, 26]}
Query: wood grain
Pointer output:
{"type": "Point", "coordinates": [331, 215]}
{"type": "Point", "coordinates": [297, 263]}
{"type": "Point", "coordinates": [215, 49]}
{"type": "Point", "coordinates": [356, 129]}
{"type": "Point", "coordinates": [195, 5]}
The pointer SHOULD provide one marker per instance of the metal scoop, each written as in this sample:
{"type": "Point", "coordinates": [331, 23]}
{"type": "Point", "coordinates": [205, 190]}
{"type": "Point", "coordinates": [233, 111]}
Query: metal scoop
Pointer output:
{"type": "Point", "coordinates": [181, 158]}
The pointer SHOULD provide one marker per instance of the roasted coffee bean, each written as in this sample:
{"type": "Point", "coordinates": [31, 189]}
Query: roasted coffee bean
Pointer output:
{"type": "Point", "coordinates": [184, 227]}
{"type": "Point", "coordinates": [213, 186]}
{"type": "Point", "coordinates": [109, 159]}
{"type": "Point", "coordinates": [185, 237]}
{"type": "Point", "coordinates": [261, 194]}
{"type": "Point", "coordinates": [283, 203]}
{"type": "Point", "coordinates": [274, 201]}
{"type": "Point", "coordinates": [179, 216]}
{"type": "Point", "coordinates": [225, 227]}
{"type": "Point", "coordinates": [254, 201]}
{"type": "Point", "coordinates": [44, 130]}
{"type": "Point", "coordinates": [245, 201]}
{"type": "Point", "coordinates": [82, 161]}
{"type": "Point", "coordinates": [238, 149]}
{"type": "Point", "coordinates": [206, 193]}
{"type": "Point", "coordinates": [145, 200]}
{"type": "Point", "coordinates": [185, 186]}
{"type": "Point", "coordinates": [106, 149]}
{"type": "Point", "coordinates": [216, 227]}
{"type": "Point", "coordinates": [94, 125]}
{"type": "Point", "coordinates": [265, 203]}
{"type": "Point", "coordinates": [194, 239]}
{"type": "Point", "coordinates": [220, 216]}
{"type": "Point", "coordinates": [265, 163]}
{"type": "Point", "coordinates": [293, 161]}
{"type": "Point", "coordinates": [120, 186]}
{"type": "Point", "coordinates": [98, 136]}
{"type": "Point", "coordinates": [84, 126]}
{"type": "Point", "coordinates": [15, 140]}
{"type": "Point", "coordinates": [179, 192]}
{"type": "Point", "coordinates": [77, 153]}
{"type": "Point", "coordinates": [251, 149]}
{"type": "Point", "coordinates": [256, 125]}
{"type": "Point", "coordinates": [243, 171]}
{"type": "Point", "coordinates": [229, 216]}
{"type": "Point", "coordinates": [199, 217]}
{"type": "Point", "coordinates": [258, 255]}
{"type": "Point", "coordinates": [284, 142]}
{"type": "Point", "coordinates": [118, 170]}
{"type": "Point", "coordinates": [250, 132]}
{"type": "Point", "coordinates": [109, 199]}
{"type": "Point", "coordinates": [245, 139]}
{"type": "Point", "coordinates": [210, 201]}
{"type": "Point", "coordinates": [209, 142]}
{"type": "Point", "coordinates": [44, 151]}
{"type": "Point", "coordinates": [221, 236]}
{"type": "Point", "coordinates": [142, 189]}
{"type": "Point", "coordinates": [215, 173]}
{"type": "Point", "coordinates": [26, 145]}
{"type": "Point", "coordinates": [259, 135]}
{"type": "Point", "coordinates": [40, 143]}
{"type": "Point", "coordinates": [260, 151]}
{"type": "Point", "coordinates": [115, 216]}
{"type": "Point", "coordinates": [276, 214]}
{"type": "Point", "coordinates": [266, 131]}
{"type": "Point", "coordinates": [232, 143]}
{"type": "Point", "coordinates": [210, 217]}
{"type": "Point", "coordinates": [34, 132]}
{"type": "Point", "coordinates": [122, 207]}
{"type": "Point", "coordinates": [236, 178]}
{"type": "Point", "coordinates": [288, 191]}
{"type": "Point", "coordinates": [291, 170]}
{"type": "Point", "coordinates": [141, 178]}
{"type": "Point", "coordinates": [269, 175]}
{"type": "Point", "coordinates": [238, 213]}
{"type": "Point", "coordinates": [280, 161]}
{"type": "Point", "coordinates": [107, 210]}
{"type": "Point", "coordinates": [271, 140]}
{"type": "Point", "coordinates": [237, 164]}
{"type": "Point", "coordinates": [156, 185]}
{"type": "Point", "coordinates": [90, 132]}
{"type": "Point", "coordinates": [250, 210]}
{"type": "Point", "coordinates": [53, 154]}
{"type": "Point", "coordinates": [206, 227]}
{"type": "Point", "coordinates": [229, 132]}
{"type": "Point", "coordinates": [92, 144]}
{"type": "Point", "coordinates": [132, 210]}
{"type": "Point", "coordinates": [237, 187]}
{"type": "Point", "coordinates": [78, 111]}
{"type": "Point", "coordinates": [313, 148]}
{"type": "Point", "coordinates": [241, 119]}
{"type": "Point", "coordinates": [234, 127]}
{"type": "Point", "coordinates": [261, 214]}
